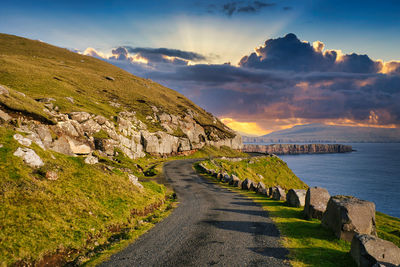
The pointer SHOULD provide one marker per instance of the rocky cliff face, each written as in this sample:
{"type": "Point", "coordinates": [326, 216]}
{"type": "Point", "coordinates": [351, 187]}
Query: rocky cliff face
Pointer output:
{"type": "Point", "coordinates": [282, 149]}
{"type": "Point", "coordinates": [80, 133]}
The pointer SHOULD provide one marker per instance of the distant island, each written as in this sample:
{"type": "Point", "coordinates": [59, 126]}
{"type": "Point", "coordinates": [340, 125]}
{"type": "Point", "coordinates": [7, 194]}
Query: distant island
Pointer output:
{"type": "Point", "coordinates": [321, 133]}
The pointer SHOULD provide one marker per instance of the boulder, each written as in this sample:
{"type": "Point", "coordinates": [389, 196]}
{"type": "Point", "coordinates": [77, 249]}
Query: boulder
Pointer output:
{"type": "Point", "coordinates": [79, 116]}
{"type": "Point", "coordinates": [61, 145]}
{"type": "Point", "coordinates": [263, 192]}
{"type": "Point", "coordinates": [91, 160]}
{"type": "Point", "coordinates": [238, 183]}
{"type": "Point", "coordinates": [234, 180]}
{"type": "Point", "coordinates": [296, 197]}
{"type": "Point", "coordinates": [247, 184]}
{"type": "Point", "coordinates": [369, 250]}
{"type": "Point", "coordinates": [79, 149]}
{"type": "Point", "coordinates": [29, 157]}
{"type": "Point", "coordinates": [4, 116]}
{"type": "Point", "coordinates": [135, 181]}
{"type": "Point", "coordinates": [347, 215]}
{"type": "Point", "coordinates": [226, 178]}
{"type": "Point", "coordinates": [316, 200]}
{"type": "Point", "coordinates": [22, 140]}
{"type": "Point", "coordinates": [44, 135]}
{"type": "Point", "coordinates": [4, 91]}
{"type": "Point", "coordinates": [260, 187]}
{"type": "Point", "coordinates": [90, 127]}
{"type": "Point", "coordinates": [278, 193]}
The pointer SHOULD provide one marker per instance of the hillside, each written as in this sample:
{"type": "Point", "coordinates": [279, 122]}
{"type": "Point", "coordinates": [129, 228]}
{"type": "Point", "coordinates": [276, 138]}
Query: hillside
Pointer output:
{"type": "Point", "coordinates": [314, 133]}
{"type": "Point", "coordinates": [79, 141]}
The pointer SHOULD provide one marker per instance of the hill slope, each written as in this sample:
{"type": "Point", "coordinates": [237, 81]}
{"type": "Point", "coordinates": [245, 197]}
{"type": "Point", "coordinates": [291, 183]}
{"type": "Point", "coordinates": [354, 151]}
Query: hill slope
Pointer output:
{"type": "Point", "coordinates": [329, 134]}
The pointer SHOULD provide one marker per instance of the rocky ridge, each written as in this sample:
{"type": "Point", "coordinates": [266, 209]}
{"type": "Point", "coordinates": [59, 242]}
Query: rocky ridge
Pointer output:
{"type": "Point", "coordinates": [282, 149]}
{"type": "Point", "coordinates": [81, 133]}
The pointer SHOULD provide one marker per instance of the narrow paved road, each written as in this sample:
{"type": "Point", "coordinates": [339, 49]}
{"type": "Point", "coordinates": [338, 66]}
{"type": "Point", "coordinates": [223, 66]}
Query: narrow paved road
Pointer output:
{"type": "Point", "coordinates": [211, 226]}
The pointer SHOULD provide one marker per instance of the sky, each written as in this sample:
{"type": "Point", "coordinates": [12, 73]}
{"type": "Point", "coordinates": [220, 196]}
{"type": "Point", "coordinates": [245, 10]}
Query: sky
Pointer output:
{"type": "Point", "coordinates": [260, 66]}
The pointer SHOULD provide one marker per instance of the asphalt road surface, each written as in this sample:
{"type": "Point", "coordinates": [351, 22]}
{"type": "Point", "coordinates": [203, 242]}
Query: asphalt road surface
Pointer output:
{"type": "Point", "coordinates": [211, 226]}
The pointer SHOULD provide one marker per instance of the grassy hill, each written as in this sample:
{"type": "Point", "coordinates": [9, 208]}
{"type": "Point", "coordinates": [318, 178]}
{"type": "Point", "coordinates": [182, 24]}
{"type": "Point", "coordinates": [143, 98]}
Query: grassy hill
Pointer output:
{"type": "Point", "coordinates": [40, 70]}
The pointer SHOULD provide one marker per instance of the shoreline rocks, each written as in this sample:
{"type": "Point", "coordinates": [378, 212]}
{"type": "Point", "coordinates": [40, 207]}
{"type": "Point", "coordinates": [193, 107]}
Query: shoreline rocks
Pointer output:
{"type": "Point", "coordinates": [296, 197]}
{"type": "Point", "coordinates": [284, 149]}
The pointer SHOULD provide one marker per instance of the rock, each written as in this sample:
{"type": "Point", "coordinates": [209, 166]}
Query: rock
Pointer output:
{"type": "Point", "coordinates": [70, 99]}
{"type": "Point", "coordinates": [296, 197]}
{"type": "Point", "coordinates": [90, 127]}
{"type": "Point", "coordinates": [91, 160]}
{"type": "Point", "coordinates": [4, 116]}
{"type": "Point", "coordinates": [347, 215]}
{"type": "Point", "coordinates": [226, 178]}
{"type": "Point", "coordinates": [44, 135]}
{"type": "Point", "coordinates": [45, 100]}
{"type": "Point", "coordinates": [66, 127]}
{"type": "Point", "coordinates": [110, 78]}
{"type": "Point", "coordinates": [79, 149]}
{"type": "Point", "coordinates": [368, 250]}
{"type": "Point", "coordinates": [278, 193]}
{"type": "Point", "coordinates": [4, 91]}
{"type": "Point", "coordinates": [263, 192]}
{"type": "Point", "coordinates": [51, 175]}
{"type": "Point", "coordinates": [29, 157]}
{"type": "Point", "coordinates": [316, 200]}
{"type": "Point", "coordinates": [100, 120]}
{"type": "Point", "coordinates": [22, 140]}
{"type": "Point", "coordinates": [79, 116]}
{"type": "Point", "coordinates": [283, 149]}
{"type": "Point", "coordinates": [234, 180]}
{"type": "Point", "coordinates": [135, 181]}
{"type": "Point", "coordinates": [61, 145]}
{"type": "Point", "coordinates": [247, 184]}
{"type": "Point", "coordinates": [260, 187]}
{"type": "Point", "coordinates": [270, 190]}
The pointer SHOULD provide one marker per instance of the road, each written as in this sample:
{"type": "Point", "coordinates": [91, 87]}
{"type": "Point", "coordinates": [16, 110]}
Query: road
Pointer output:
{"type": "Point", "coordinates": [211, 226]}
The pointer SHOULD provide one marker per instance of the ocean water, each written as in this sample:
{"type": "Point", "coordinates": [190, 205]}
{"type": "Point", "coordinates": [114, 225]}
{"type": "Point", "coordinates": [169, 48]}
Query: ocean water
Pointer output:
{"type": "Point", "coordinates": [372, 172]}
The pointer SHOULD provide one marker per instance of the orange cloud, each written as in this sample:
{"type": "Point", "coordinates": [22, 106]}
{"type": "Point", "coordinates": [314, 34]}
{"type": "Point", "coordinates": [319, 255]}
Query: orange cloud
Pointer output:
{"type": "Point", "coordinates": [244, 127]}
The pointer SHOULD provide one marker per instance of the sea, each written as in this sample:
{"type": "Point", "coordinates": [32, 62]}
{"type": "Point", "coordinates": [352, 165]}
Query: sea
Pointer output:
{"type": "Point", "coordinates": [371, 172]}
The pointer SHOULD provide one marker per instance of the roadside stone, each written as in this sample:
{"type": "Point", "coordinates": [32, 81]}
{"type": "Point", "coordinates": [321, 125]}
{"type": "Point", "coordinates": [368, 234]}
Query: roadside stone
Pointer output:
{"type": "Point", "coordinates": [296, 197]}
{"type": "Point", "coordinates": [247, 184]}
{"type": "Point", "coordinates": [135, 181]}
{"type": "Point", "coordinates": [260, 187]}
{"type": "Point", "coordinates": [91, 160]}
{"type": "Point", "coordinates": [234, 179]}
{"type": "Point", "coordinates": [22, 140]}
{"type": "Point", "coordinates": [278, 193]}
{"type": "Point", "coordinates": [51, 175]}
{"type": "Point", "coordinates": [29, 157]}
{"type": "Point", "coordinates": [316, 200]}
{"type": "Point", "coordinates": [369, 250]}
{"type": "Point", "coordinates": [347, 215]}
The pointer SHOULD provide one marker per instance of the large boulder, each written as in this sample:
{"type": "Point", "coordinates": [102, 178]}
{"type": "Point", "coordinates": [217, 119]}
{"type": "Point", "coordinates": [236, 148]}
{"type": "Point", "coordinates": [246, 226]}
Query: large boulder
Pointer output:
{"type": "Point", "coordinates": [369, 250]}
{"type": "Point", "coordinates": [296, 197]}
{"type": "Point", "coordinates": [316, 200]}
{"type": "Point", "coordinates": [347, 215]}
{"type": "Point", "coordinates": [29, 157]}
{"type": "Point", "coordinates": [226, 178]}
{"type": "Point", "coordinates": [247, 184]}
{"type": "Point", "coordinates": [234, 180]}
{"type": "Point", "coordinates": [278, 193]}
{"type": "Point", "coordinates": [4, 116]}
{"type": "Point", "coordinates": [260, 187]}
{"type": "Point", "coordinates": [79, 116]}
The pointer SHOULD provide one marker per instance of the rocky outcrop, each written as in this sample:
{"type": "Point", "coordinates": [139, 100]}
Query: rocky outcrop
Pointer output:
{"type": "Point", "coordinates": [368, 250]}
{"type": "Point", "coordinates": [283, 149]}
{"type": "Point", "coordinates": [347, 215]}
{"type": "Point", "coordinates": [80, 133]}
{"type": "Point", "coordinates": [296, 198]}
{"type": "Point", "coordinates": [316, 200]}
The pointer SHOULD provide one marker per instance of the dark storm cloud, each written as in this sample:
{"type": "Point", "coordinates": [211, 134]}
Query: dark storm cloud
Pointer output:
{"type": "Point", "coordinates": [166, 52]}
{"type": "Point", "coordinates": [233, 7]}
{"type": "Point", "coordinates": [285, 79]}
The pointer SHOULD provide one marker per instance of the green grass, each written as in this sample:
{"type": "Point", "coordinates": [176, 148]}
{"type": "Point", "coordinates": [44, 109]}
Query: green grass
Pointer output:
{"type": "Point", "coordinates": [308, 242]}
{"type": "Point", "coordinates": [273, 170]}
{"type": "Point", "coordinates": [39, 217]}
{"type": "Point", "coordinates": [41, 70]}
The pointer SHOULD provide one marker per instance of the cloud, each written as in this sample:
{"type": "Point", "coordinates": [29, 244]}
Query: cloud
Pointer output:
{"type": "Point", "coordinates": [283, 83]}
{"type": "Point", "coordinates": [233, 7]}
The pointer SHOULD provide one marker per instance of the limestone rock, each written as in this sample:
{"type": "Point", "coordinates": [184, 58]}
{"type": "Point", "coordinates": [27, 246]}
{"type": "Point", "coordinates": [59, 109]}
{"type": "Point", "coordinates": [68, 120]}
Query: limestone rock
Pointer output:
{"type": "Point", "coordinates": [4, 91]}
{"type": "Point", "coordinates": [61, 145]}
{"type": "Point", "coordinates": [79, 149]}
{"type": "Point", "coordinates": [91, 127]}
{"type": "Point", "coordinates": [135, 181]}
{"type": "Point", "coordinates": [44, 134]}
{"type": "Point", "coordinates": [4, 116]}
{"type": "Point", "coordinates": [79, 116]}
{"type": "Point", "coordinates": [278, 193]}
{"type": "Point", "coordinates": [234, 180]}
{"type": "Point", "coordinates": [22, 140]}
{"type": "Point", "coordinates": [70, 99]}
{"type": "Point", "coordinates": [316, 200]}
{"type": "Point", "coordinates": [29, 157]}
{"type": "Point", "coordinates": [296, 197]}
{"type": "Point", "coordinates": [67, 128]}
{"type": "Point", "coordinates": [91, 160]}
{"type": "Point", "coordinates": [260, 187]}
{"type": "Point", "coordinates": [347, 215]}
{"type": "Point", "coordinates": [368, 250]}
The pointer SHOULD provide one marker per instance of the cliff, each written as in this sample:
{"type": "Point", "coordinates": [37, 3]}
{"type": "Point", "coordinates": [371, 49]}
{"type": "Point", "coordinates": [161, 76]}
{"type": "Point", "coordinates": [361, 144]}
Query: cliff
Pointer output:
{"type": "Point", "coordinates": [283, 149]}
